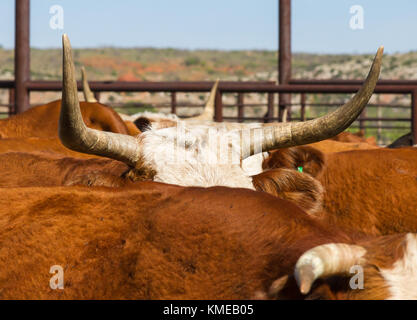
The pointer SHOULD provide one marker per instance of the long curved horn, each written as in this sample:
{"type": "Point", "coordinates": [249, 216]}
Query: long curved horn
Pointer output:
{"type": "Point", "coordinates": [75, 135]}
{"type": "Point", "coordinates": [88, 94]}
{"type": "Point", "coordinates": [326, 260]}
{"type": "Point", "coordinates": [208, 112]}
{"type": "Point", "coordinates": [284, 135]}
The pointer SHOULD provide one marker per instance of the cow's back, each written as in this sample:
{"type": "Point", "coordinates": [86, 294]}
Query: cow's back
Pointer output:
{"type": "Point", "coordinates": [42, 121]}
{"type": "Point", "coordinates": [374, 191]}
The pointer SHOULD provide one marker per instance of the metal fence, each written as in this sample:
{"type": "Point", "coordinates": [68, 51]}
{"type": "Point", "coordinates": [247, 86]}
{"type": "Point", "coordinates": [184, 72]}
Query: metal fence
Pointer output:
{"type": "Point", "coordinates": [301, 87]}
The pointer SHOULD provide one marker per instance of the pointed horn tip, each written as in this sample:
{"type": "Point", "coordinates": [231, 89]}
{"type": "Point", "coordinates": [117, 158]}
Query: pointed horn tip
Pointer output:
{"type": "Point", "coordinates": [305, 288]}
{"type": "Point", "coordinates": [66, 44]}
{"type": "Point", "coordinates": [380, 52]}
{"type": "Point", "coordinates": [305, 278]}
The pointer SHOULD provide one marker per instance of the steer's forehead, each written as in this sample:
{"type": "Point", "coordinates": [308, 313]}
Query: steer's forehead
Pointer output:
{"type": "Point", "coordinates": [402, 277]}
{"type": "Point", "coordinates": [206, 138]}
{"type": "Point", "coordinates": [197, 156]}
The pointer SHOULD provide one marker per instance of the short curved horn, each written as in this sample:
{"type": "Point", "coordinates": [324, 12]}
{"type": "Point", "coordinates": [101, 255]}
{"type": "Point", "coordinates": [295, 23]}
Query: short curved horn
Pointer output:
{"type": "Point", "coordinates": [75, 135]}
{"type": "Point", "coordinates": [88, 94]}
{"type": "Point", "coordinates": [326, 260]}
{"type": "Point", "coordinates": [208, 113]}
{"type": "Point", "coordinates": [282, 135]}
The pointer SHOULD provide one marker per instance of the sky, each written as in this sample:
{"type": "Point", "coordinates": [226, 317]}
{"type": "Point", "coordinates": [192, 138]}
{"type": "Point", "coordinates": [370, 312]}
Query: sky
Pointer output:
{"type": "Point", "coordinates": [318, 26]}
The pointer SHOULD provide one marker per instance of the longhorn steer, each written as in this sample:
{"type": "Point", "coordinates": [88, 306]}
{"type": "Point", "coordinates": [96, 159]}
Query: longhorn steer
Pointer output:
{"type": "Point", "coordinates": [169, 156]}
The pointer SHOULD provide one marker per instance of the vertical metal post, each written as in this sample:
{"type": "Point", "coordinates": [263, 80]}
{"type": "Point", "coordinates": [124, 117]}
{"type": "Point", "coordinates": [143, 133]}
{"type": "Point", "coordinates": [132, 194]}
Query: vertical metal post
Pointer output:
{"type": "Point", "coordinates": [303, 107]}
{"type": "Point", "coordinates": [218, 107]}
{"type": "Point", "coordinates": [173, 102]}
{"type": "Point", "coordinates": [414, 115]}
{"type": "Point", "coordinates": [12, 110]}
{"type": "Point", "coordinates": [240, 107]}
{"type": "Point", "coordinates": [270, 112]}
{"type": "Point", "coordinates": [379, 116]}
{"type": "Point", "coordinates": [284, 57]}
{"type": "Point", "coordinates": [22, 54]}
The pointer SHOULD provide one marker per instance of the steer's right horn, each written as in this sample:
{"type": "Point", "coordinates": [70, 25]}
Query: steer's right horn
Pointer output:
{"type": "Point", "coordinates": [326, 260]}
{"type": "Point", "coordinates": [88, 94]}
{"type": "Point", "coordinates": [283, 135]}
{"type": "Point", "coordinates": [75, 135]}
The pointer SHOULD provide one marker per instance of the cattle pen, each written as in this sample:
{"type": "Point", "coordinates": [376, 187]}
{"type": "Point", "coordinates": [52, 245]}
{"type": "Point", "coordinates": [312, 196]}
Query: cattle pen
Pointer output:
{"type": "Point", "coordinates": [20, 88]}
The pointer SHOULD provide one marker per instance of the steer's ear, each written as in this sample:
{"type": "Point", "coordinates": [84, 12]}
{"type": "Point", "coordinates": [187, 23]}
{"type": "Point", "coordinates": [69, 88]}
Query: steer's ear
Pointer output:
{"type": "Point", "coordinates": [299, 188]}
{"type": "Point", "coordinates": [302, 158]}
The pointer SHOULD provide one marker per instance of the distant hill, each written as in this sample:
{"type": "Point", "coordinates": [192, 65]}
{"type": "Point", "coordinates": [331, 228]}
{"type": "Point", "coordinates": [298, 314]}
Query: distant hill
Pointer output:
{"type": "Point", "coordinates": [150, 64]}
{"type": "Point", "coordinates": [174, 64]}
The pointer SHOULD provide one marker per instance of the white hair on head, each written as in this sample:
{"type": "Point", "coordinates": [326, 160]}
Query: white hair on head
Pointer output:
{"type": "Point", "coordinates": [402, 277]}
{"type": "Point", "coordinates": [198, 156]}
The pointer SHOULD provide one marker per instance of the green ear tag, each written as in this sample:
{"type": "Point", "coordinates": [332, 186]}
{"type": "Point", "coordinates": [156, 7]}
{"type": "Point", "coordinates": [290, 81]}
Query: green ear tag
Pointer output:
{"type": "Point", "coordinates": [300, 169]}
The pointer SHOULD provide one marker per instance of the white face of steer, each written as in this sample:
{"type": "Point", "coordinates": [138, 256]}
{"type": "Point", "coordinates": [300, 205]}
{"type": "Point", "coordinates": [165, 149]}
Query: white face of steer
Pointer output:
{"type": "Point", "coordinates": [203, 156]}
{"type": "Point", "coordinates": [402, 277]}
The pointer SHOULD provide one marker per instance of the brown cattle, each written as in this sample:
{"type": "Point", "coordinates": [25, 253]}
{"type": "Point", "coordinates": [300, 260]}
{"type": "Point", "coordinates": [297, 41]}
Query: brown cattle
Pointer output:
{"type": "Point", "coordinates": [372, 191]}
{"type": "Point", "coordinates": [354, 137]}
{"type": "Point", "coordinates": [156, 241]}
{"type": "Point", "coordinates": [40, 146]}
{"type": "Point", "coordinates": [226, 243]}
{"type": "Point", "coordinates": [49, 168]}
{"type": "Point", "coordinates": [20, 169]}
{"type": "Point", "coordinates": [330, 146]}
{"type": "Point", "coordinates": [42, 121]}
{"type": "Point", "coordinates": [381, 183]}
{"type": "Point", "coordinates": [132, 128]}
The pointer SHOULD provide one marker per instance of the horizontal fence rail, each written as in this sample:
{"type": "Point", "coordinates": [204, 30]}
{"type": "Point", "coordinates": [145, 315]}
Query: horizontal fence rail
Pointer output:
{"type": "Point", "coordinates": [296, 86]}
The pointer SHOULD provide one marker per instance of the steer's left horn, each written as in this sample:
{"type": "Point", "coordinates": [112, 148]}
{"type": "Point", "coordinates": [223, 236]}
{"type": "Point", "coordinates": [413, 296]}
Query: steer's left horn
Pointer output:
{"type": "Point", "coordinates": [326, 260]}
{"type": "Point", "coordinates": [283, 135]}
{"type": "Point", "coordinates": [88, 94]}
{"type": "Point", "coordinates": [75, 135]}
